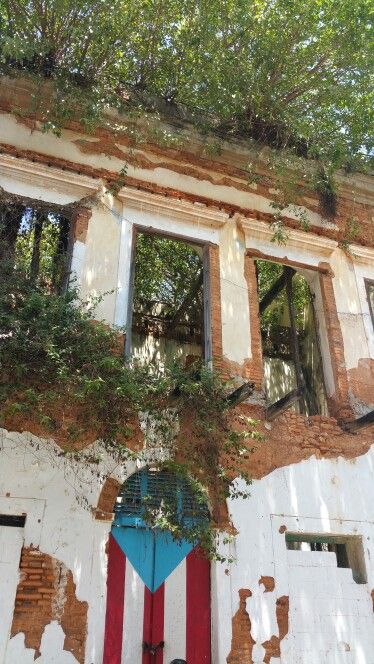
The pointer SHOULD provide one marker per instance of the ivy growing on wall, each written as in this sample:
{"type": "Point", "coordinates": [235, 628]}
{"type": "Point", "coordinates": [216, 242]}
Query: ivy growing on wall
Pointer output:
{"type": "Point", "coordinates": [65, 374]}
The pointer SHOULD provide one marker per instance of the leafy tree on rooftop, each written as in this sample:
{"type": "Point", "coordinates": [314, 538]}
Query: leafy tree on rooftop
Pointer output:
{"type": "Point", "coordinates": [284, 72]}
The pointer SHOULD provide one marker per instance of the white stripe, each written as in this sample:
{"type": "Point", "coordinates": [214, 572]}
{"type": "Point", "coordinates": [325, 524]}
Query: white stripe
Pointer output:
{"type": "Point", "coordinates": [175, 614]}
{"type": "Point", "coordinates": [133, 617]}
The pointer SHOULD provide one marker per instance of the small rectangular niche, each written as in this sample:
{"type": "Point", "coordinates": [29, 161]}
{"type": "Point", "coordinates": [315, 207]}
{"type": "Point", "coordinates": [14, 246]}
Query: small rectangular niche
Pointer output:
{"type": "Point", "coordinates": [13, 520]}
{"type": "Point", "coordinates": [348, 549]}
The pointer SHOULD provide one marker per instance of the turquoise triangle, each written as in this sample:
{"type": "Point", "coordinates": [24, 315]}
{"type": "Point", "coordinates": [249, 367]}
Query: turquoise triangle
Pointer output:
{"type": "Point", "coordinates": [153, 553]}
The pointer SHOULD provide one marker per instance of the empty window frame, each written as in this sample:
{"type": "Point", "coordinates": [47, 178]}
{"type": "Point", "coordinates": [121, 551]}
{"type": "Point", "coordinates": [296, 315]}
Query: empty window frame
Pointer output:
{"type": "Point", "coordinates": [369, 285]}
{"type": "Point", "coordinates": [348, 549]}
{"type": "Point", "coordinates": [35, 241]}
{"type": "Point", "coordinates": [169, 308]}
{"type": "Point", "coordinates": [292, 359]}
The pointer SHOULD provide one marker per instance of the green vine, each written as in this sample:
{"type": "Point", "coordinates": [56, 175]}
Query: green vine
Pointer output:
{"type": "Point", "coordinates": [66, 374]}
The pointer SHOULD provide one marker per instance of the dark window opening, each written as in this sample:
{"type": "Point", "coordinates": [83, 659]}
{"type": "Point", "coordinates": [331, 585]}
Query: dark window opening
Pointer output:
{"type": "Point", "coordinates": [13, 520]}
{"type": "Point", "coordinates": [370, 296]}
{"type": "Point", "coordinates": [292, 359]}
{"type": "Point", "coordinates": [168, 313]}
{"type": "Point", "coordinates": [35, 241]}
{"type": "Point", "coordinates": [348, 550]}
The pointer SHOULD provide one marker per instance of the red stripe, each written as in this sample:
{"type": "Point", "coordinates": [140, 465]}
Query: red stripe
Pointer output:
{"type": "Point", "coordinates": [115, 603]}
{"type": "Point", "coordinates": [158, 622]}
{"type": "Point", "coordinates": [198, 608]}
{"type": "Point", "coordinates": [147, 624]}
{"type": "Point", "coordinates": [153, 624]}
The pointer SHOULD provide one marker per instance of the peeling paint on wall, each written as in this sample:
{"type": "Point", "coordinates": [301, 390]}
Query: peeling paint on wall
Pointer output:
{"type": "Point", "coordinates": [46, 593]}
{"type": "Point", "coordinates": [242, 641]}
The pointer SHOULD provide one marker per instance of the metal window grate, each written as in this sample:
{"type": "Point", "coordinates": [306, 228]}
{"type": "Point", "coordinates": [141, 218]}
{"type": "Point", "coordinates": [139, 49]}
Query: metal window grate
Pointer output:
{"type": "Point", "coordinates": [151, 488]}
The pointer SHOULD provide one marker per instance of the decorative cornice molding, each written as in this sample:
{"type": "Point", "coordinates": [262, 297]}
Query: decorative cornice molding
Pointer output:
{"type": "Point", "coordinates": [362, 254]}
{"type": "Point", "coordinates": [48, 177]}
{"type": "Point", "coordinates": [172, 207]}
{"type": "Point", "coordinates": [305, 239]}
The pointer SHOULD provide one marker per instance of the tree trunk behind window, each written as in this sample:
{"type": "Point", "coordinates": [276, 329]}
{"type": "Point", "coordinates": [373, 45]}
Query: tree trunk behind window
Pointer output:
{"type": "Point", "coordinates": [35, 258]}
{"type": "Point", "coordinates": [10, 222]}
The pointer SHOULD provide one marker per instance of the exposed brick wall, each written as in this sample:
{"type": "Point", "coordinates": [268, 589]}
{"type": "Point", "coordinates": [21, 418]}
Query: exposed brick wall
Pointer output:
{"type": "Point", "coordinates": [46, 592]}
{"type": "Point", "coordinates": [215, 304]}
{"type": "Point", "coordinates": [242, 641]}
{"type": "Point", "coordinates": [80, 223]}
{"type": "Point", "coordinates": [361, 381]}
{"type": "Point", "coordinates": [339, 403]}
{"type": "Point", "coordinates": [293, 438]}
{"type": "Point", "coordinates": [107, 498]}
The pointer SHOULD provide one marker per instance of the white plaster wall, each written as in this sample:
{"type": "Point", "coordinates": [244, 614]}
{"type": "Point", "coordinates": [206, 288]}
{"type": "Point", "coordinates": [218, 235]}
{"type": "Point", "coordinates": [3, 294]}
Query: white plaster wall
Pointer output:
{"type": "Point", "coordinates": [98, 263]}
{"type": "Point", "coordinates": [67, 148]}
{"type": "Point", "coordinates": [331, 617]}
{"type": "Point", "coordinates": [234, 295]}
{"type": "Point", "coordinates": [11, 540]}
{"type": "Point", "coordinates": [349, 309]}
{"type": "Point", "coordinates": [57, 495]}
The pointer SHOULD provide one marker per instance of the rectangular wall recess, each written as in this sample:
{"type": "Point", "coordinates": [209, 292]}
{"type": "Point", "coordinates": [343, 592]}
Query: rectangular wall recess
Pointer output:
{"type": "Point", "coordinates": [347, 548]}
{"type": "Point", "coordinates": [13, 520]}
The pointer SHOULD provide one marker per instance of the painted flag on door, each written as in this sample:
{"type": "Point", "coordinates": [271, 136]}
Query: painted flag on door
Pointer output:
{"type": "Point", "coordinates": [158, 600]}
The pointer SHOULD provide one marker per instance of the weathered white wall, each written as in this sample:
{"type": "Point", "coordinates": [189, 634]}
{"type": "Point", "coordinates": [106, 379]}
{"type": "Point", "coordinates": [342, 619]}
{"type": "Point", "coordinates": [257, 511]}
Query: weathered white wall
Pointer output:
{"type": "Point", "coordinates": [349, 308]}
{"type": "Point", "coordinates": [99, 266]}
{"type": "Point", "coordinates": [330, 616]}
{"type": "Point", "coordinates": [67, 148]}
{"type": "Point", "coordinates": [57, 495]}
{"type": "Point", "coordinates": [234, 295]}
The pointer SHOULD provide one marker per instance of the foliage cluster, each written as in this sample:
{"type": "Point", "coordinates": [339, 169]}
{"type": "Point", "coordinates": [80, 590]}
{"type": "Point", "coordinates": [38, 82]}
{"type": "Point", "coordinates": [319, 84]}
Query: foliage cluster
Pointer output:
{"type": "Point", "coordinates": [281, 72]}
{"type": "Point", "coordinates": [165, 271]}
{"type": "Point", "coordinates": [56, 366]}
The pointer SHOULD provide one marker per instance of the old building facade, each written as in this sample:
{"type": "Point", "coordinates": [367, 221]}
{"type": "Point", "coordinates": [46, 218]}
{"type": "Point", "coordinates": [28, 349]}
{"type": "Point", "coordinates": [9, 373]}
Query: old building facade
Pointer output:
{"type": "Point", "coordinates": [301, 587]}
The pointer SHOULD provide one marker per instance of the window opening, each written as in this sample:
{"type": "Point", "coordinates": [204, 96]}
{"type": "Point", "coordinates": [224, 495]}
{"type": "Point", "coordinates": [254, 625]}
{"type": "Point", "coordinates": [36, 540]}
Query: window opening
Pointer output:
{"type": "Point", "coordinates": [347, 548]}
{"type": "Point", "coordinates": [168, 315]}
{"type": "Point", "coordinates": [292, 359]}
{"type": "Point", "coordinates": [13, 520]}
{"type": "Point", "coordinates": [370, 295]}
{"type": "Point", "coordinates": [35, 241]}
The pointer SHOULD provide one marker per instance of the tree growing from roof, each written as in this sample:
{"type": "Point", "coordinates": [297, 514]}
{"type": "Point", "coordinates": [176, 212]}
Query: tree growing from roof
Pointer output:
{"type": "Point", "coordinates": [288, 73]}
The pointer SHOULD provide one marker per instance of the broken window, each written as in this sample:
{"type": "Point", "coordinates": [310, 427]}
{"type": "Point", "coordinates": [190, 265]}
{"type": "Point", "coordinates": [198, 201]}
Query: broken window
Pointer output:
{"type": "Point", "coordinates": [292, 359]}
{"type": "Point", "coordinates": [168, 307]}
{"type": "Point", "coordinates": [35, 241]}
{"type": "Point", "coordinates": [370, 295]}
{"type": "Point", "coordinates": [347, 548]}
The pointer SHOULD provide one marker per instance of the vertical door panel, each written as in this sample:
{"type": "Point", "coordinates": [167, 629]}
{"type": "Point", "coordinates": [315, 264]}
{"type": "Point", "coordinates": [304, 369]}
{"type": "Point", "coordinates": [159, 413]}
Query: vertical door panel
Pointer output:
{"type": "Point", "coordinates": [11, 540]}
{"type": "Point", "coordinates": [176, 612]}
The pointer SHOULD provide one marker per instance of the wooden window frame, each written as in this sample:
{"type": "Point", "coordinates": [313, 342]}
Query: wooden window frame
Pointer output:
{"type": "Point", "coordinates": [290, 268]}
{"type": "Point", "coordinates": [369, 283]}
